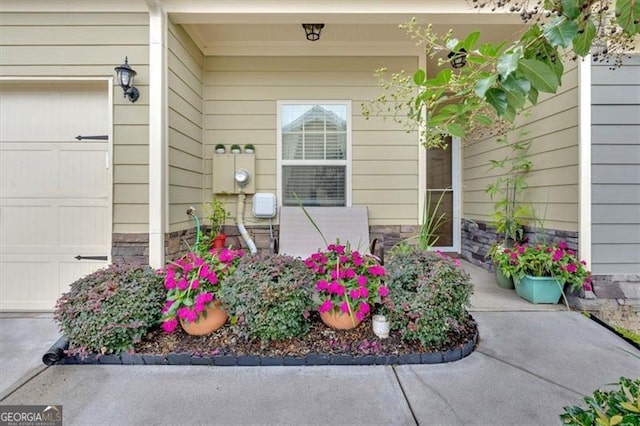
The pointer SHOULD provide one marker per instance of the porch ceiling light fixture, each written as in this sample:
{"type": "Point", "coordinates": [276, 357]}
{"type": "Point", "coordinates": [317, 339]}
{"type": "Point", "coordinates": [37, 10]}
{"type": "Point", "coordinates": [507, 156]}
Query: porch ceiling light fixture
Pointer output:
{"type": "Point", "coordinates": [458, 59]}
{"type": "Point", "coordinates": [126, 75]}
{"type": "Point", "coordinates": [313, 31]}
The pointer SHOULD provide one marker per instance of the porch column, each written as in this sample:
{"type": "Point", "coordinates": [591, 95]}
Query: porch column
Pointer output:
{"type": "Point", "coordinates": [157, 133]}
{"type": "Point", "coordinates": [584, 158]}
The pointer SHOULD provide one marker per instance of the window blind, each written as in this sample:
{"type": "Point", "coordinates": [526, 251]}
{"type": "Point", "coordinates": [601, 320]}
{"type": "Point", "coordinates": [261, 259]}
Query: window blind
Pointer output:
{"type": "Point", "coordinates": [314, 185]}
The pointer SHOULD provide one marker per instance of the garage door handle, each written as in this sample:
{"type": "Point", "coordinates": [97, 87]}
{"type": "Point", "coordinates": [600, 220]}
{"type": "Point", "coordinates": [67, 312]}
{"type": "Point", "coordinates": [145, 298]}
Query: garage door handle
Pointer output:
{"type": "Point", "coordinates": [78, 257]}
{"type": "Point", "coordinates": [95, 138]}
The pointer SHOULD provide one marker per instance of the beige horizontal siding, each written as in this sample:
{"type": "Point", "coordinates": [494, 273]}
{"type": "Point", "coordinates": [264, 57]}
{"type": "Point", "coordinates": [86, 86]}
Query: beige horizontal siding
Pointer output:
{"type": "Point", "coordinates": [107, 55]}
{"type": "Point", "coordinates": [131, 154]}
{"type": "Point", "coordinates": [307, 64]}
{"type": "Point", "coordinates": [129, 193]}
{"type": "Point", "coordinates": [265, 93]}
{"type": "Point", "coordinates": [131, 134]}
{"type": "Point", "coordinates": [91, 45]}
{"type": "Point", "coordinates": [280, 78]}
{"type": "Point", "coordinates": [185, 121]}
{"type": "Point", "coordinates": [131, 173]}
{"type": "Point", "coordinates": [240, 95]}
{"type": "Point", "coordinates": [52, 20]}
{"type": "Point", "coordinates": [552, 126]}
{"type": "Point", "coordinates": [59, 35]}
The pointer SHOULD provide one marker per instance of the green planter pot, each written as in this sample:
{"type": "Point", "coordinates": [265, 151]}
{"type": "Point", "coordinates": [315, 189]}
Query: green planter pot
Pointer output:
{"type": "Point", "coordinates": [539, 289]}
{"type": "Point", "coordinates": [502, 281]}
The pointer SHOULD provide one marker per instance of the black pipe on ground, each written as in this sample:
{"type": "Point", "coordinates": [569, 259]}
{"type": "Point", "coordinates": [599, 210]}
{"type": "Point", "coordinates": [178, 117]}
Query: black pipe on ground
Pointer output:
{"type": "Point", "coordinates": [56, 351]}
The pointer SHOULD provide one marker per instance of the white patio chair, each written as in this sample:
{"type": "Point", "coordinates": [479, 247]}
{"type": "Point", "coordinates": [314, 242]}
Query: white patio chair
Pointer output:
{"type": "Point", "coordinates": [299, 238]}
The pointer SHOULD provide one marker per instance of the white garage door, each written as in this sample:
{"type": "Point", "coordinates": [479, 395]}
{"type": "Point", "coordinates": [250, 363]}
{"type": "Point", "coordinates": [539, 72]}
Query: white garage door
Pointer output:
{"type": "Point", "coordinates": [55, 200]}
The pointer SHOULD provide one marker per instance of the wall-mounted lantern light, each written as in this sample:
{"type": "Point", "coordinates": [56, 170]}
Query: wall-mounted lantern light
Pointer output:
{"type": "Point", "coordinates": [126, 75]}
{"type": "Point", "coordinates": [458, 59]}
{"type": "Point", "coordinates": [313, 31]}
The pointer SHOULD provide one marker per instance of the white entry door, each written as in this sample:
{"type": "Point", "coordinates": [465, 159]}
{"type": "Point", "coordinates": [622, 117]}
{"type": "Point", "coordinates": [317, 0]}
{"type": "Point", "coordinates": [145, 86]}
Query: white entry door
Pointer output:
{"type": "Point", "coordinates": [55, 190]}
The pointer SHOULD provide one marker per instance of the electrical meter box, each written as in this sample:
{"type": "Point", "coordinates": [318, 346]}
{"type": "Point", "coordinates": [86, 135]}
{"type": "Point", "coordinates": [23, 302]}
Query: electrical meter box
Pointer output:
{"type": "Point", "coordinates": [224, 168]}
{"type": "Point", "coordinates": [264, 205]}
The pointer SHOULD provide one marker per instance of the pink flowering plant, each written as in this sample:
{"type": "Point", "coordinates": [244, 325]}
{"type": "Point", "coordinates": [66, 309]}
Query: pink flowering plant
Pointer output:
{"type": "Point", "coordinates": [347, 281]}
{"type": "Point", "coordinates": [545, 260]}
{"type": "Point", "coordinates": [193, 282]}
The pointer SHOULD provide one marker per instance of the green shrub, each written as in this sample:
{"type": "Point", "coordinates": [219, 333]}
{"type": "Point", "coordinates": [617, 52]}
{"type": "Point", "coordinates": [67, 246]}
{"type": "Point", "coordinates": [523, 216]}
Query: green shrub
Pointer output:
{"type": "Point", "coordinates": [110, 310]}
{"type": "Point", "coordinates": [616, 407]}
{"type": "Point", "coordinates": [428, 293]}
{"type": "Point", "coordinates": [269, 297]}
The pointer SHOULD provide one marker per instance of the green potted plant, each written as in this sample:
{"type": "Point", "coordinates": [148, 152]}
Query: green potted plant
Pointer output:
{"type": "Point", "coordinates": [500, 259]}
{"type": "Point", "coordinates": [220, 149]}
{"type": "Point", "coordinates": [509, 213]}
{"type": "Point", "coordinates": [235, 149]}
{"type": "Point", "coordinates": [540, 271]}
{"type": "Point", "coordinates": [217, 214]}
{"type": "Point", "coordinates": [249, 148]}
{"type": "Point", "coordinates": [347, 285]}
{"type": "Point", "coordinates": [193, 285]}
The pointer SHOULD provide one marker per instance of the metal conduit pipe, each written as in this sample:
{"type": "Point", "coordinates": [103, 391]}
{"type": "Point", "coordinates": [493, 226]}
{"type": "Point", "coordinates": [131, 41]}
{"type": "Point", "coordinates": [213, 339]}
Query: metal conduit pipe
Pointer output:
{"type": "Point", "coordinates": [239, 220]}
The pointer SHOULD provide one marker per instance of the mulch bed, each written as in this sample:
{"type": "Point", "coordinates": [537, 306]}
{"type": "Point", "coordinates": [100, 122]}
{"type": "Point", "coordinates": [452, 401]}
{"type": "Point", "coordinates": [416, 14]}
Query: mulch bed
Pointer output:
{"type": "Point", "coordinates": [320, 340]}
{"type": "Point", "coordinates": [321, 346]}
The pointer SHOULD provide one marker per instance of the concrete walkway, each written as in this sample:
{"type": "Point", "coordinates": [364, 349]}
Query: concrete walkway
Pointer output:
{"type": "Point", "coordinates": [529, 364]}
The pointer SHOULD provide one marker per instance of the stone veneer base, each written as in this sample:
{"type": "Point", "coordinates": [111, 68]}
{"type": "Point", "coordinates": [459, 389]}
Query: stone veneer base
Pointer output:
{"type": "Point", "coordinates": [478, 236]}
{"type": "Point", "coordinates": [610, 290]}
{"type": "Point", "coordinates": [134, 248]}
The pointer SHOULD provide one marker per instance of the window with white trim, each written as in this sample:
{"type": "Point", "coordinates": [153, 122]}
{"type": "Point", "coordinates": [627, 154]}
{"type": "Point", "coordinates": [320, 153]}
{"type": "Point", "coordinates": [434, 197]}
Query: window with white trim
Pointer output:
{"type": "Point", "coordinates": [314, 152]}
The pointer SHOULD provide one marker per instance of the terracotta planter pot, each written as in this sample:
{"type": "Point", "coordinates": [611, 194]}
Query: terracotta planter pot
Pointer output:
{"type": "Point", "coordinates": [339, 320]}
{"type": "Point", "coordinates": [218, 241]}
{"type": "Point", "coordinates": [214, 319]}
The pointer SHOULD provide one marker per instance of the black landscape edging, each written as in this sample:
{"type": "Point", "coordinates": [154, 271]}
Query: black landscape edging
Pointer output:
{"type": "Point", "coordinates": [55, 355]}
{"type": "Point", "coordinates": [56, 352]}
{"type": "Point", "coordinates": [613, 330]}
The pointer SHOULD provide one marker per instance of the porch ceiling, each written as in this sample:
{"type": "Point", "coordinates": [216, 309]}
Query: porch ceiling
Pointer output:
{"type": "Point", "coordinates": [337, 39]}
{"type": "Point", "coordinates": [346, 32]}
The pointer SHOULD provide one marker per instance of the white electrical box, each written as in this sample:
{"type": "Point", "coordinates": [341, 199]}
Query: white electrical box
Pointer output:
{"type": "Point", "coordinates": [264, 205]}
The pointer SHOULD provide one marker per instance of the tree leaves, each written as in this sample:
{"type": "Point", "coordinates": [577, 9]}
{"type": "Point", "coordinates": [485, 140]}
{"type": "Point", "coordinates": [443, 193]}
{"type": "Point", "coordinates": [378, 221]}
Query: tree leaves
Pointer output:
{"type": "Point", "coordinates": [509, 75]}
{"type": "Point", "coordinates": [628, 16]}
{"type": "Point", "coordinates": [508, 62]}
{"type": "Point", "coordinates": [582, 42]}
{"type": "Point", "coordinates": [456, 130]}
{"type": "Point", "coordinates": [483, 84]}
{"type": "Point", "coordinates": [560, 31]}
{"type": "Point", "coordinates": [441, 79]}
{"type": "Point", "coordinates": [516, 91]}
{"type": "Point", "coordinates": [470, 42]}
{"type": "Point", "coordinates": [541, 76]}
{"type": "Point", "coordinates": [498, 100]}
{"type": "Point", "coordinates": [570, 8]}
{"type": "Point", "coordinates": [420, 77]}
